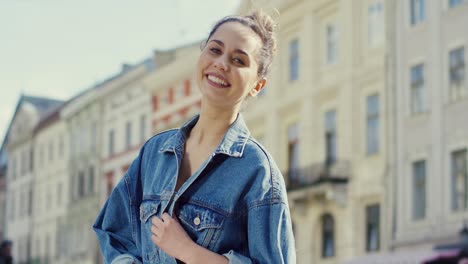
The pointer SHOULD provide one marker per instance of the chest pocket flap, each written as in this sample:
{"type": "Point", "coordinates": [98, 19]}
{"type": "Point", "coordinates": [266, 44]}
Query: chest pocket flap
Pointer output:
{"type": "Point", "coordinates": [199, 217]}
{"type": "Point", "coordinates": [148, 209]}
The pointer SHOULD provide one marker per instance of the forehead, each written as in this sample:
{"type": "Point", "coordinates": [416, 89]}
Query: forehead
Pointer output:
{"type": "Point", "coordinates": [238, 36]}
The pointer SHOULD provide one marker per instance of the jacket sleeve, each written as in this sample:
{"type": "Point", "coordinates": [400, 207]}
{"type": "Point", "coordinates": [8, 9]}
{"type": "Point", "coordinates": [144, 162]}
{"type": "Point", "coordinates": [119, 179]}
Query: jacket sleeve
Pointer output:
{"type": "Point", "coordinates": [270, 236]}
{"type": "Point", "coordinates": [117, 225]}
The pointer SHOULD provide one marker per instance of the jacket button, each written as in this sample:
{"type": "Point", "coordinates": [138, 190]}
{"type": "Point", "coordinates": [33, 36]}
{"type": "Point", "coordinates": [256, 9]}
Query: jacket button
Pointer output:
{"type": "Point", "coordinates": [196, 221]}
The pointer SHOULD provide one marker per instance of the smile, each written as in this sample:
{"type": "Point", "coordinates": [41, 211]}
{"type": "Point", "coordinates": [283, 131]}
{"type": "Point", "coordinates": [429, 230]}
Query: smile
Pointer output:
{"type": "Point", "coordinates": [217, 81]}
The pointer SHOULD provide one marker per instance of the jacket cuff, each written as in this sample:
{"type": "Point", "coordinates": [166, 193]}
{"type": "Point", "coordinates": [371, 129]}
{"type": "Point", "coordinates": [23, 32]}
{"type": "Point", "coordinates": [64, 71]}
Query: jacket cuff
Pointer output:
{"type": "Point", "coordinates": [125, 259]}
{"type": "Point", "coordinates": [236, 258]}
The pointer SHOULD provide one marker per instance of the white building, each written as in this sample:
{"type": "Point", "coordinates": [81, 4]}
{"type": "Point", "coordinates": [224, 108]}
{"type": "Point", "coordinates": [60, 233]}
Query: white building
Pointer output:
{"type": "Point", "coordinates": [126, 119]}
{"type": "Point", "coordinates": [19, 144]}
{"type": "Point", "coordinates": [50, 188]}
{"type": "Point", "coordinates": [431, 123]}
{"type": "Point", "coordinates": [83, 116]}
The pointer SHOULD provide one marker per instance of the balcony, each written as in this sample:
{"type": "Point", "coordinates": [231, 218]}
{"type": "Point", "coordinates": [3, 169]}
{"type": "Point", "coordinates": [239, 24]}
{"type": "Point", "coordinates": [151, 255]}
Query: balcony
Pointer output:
{"type": "Point", "coordinates": [319, 181]}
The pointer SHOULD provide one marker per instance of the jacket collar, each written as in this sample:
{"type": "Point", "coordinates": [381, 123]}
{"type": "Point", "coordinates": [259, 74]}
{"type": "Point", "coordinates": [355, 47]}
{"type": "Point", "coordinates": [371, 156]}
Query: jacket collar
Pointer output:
{"type": "Point", "coordinates": [233, 142]}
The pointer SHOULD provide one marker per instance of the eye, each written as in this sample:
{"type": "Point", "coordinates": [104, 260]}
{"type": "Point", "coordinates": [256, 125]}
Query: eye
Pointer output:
{"type": "Point", "coordinates": [215, 50]}
{"type": "Point", "coordinates": [238, 61]}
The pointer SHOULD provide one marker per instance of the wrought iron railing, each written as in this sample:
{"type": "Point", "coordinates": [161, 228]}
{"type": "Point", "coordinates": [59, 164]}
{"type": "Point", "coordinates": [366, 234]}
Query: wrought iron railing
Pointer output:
{"type": "Point", "coordinates": [338, 171]}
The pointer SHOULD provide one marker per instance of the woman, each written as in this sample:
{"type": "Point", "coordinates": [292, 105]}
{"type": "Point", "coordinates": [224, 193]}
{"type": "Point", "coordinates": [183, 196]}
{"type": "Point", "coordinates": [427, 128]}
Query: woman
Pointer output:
{"type": "Point", "coordinates": [207, 192]}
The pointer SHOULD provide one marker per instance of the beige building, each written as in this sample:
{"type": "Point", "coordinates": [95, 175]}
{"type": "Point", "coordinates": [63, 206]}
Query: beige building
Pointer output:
{"type": "Point", "coordinates": [125, 123]}
{"type": "Point", "coordinates": [19, 143]}
{"type": "Point", "coordinates": [50, 188]}
{"type": "Point", "coordinates": [175, 96]}
{"type": "Point", "coordinates": [323, 116]}
{"type": "Point", "coordinates": [431, 101]}
{"type": "Point", "coordinates": [82, 115]}
{"type": "Point", "coordinates": [3, 189]}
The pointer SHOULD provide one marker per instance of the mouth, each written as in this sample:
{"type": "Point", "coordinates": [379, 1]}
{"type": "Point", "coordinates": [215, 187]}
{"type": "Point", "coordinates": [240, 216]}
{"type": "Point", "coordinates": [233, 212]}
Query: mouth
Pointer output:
{"type": "Point", "coordinates": [217, 80]}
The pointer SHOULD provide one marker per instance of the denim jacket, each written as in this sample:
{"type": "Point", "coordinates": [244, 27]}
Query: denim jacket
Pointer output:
{"type": "Point", "coordinates": [235, 204]}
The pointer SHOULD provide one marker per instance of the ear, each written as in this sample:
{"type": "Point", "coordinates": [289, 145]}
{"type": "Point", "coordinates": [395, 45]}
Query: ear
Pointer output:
{"type": "Point", "coordinates": [258, 87]}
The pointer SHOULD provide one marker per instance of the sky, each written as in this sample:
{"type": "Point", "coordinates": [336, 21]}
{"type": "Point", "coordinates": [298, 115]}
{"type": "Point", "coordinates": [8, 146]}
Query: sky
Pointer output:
{"type": "Point", "coordinates": [57, 48]}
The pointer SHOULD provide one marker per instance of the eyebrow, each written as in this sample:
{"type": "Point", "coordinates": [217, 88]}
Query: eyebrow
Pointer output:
{"type": "Point", "coordinates": [236, 50]}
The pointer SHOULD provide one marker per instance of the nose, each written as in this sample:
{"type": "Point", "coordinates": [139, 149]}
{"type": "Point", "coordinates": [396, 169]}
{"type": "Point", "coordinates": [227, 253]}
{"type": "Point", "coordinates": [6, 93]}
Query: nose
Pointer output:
{"type": "Point", "coordinates": [221, 63]}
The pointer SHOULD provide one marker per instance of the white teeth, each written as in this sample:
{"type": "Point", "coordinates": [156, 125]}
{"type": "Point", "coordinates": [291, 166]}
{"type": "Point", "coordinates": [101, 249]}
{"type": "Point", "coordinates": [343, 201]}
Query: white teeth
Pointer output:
{"type": "Point", "coordinates": [216, 80]}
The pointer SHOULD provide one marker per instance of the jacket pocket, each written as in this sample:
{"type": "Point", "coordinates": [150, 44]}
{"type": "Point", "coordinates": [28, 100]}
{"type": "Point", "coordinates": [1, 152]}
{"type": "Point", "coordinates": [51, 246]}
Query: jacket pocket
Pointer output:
{"type": "Point", "coordinates": [148, 209]}
{"type": "Point", "coordinates": [202, 224]}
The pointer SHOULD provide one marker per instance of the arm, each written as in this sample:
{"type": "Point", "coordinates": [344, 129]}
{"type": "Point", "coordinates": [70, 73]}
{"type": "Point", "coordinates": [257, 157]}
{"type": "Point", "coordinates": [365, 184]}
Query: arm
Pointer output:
{"type": "Point", "coordinates": [269, 234]}
{"type": "Point", "coordinates": [117, 225]}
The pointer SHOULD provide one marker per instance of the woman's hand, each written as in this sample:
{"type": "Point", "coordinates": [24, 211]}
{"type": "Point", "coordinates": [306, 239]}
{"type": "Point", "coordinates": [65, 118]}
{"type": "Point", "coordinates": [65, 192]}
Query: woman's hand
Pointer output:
{"type": "Point", "coordinates": [171, 237]}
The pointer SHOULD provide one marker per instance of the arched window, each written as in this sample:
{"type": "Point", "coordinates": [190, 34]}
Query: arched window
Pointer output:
{"type": "Point", "coordinates": [328, 236]}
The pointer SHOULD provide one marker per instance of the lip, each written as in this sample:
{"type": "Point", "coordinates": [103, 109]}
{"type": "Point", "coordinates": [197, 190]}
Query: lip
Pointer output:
{"type": "Point", "coordinates": [217, 85]}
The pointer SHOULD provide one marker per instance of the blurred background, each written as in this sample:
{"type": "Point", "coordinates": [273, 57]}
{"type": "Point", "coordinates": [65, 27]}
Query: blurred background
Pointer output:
{"type": "Point", "coordinates": [364, 112]}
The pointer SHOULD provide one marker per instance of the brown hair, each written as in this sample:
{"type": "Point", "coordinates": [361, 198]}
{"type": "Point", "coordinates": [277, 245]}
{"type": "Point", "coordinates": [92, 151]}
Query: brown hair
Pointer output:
{"type": "Point", "coordinates": [264, 26]}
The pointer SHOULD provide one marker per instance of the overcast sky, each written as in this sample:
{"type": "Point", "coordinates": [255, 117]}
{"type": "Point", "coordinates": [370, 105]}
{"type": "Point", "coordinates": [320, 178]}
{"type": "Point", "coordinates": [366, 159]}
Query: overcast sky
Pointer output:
{"type": "Point", "coordinates": [56, 48]}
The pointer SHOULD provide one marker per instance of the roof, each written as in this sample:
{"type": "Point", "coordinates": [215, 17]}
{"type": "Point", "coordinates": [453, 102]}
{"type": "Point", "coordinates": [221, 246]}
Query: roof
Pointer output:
{"type": "Point", "coordinates": [42, 104]}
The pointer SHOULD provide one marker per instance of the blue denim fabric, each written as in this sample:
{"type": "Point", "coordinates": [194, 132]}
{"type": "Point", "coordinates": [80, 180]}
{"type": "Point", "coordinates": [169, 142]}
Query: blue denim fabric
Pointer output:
{"type": "Point", "coordinates": [235, 204]}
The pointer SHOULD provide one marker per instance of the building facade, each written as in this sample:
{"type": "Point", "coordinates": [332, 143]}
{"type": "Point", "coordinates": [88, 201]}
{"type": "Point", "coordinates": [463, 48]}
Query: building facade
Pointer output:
{"type": "Point", "coordinates": [50, 188]}
{"type": "Point", "coordinates": [323, 116]}
{"type": "Point", "coordinates": [82, 116]}
{"type": "Point", "coordinates": [173, 89]}
{"type": "Point", "coordinates": [3, 188]}
{"type": "Point", "coordinates": [125, 123]}
{"type": "Point", "coordinates": [19, 143]}
{"type": "Point", "coordinates": [431, 154]}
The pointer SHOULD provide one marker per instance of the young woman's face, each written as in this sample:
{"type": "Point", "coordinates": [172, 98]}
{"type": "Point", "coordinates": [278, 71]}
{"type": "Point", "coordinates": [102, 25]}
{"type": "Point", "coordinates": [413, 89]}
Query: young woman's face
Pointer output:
{"type": "Point", "coordinates": [227, 67]}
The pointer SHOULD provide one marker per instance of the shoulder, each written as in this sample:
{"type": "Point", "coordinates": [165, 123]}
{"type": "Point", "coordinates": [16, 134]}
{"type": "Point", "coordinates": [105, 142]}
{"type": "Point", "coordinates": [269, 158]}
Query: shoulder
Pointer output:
{"type": "Point", "coordinates": [157, 141]}
{"type": "Point", "coordinates": [269, 184]}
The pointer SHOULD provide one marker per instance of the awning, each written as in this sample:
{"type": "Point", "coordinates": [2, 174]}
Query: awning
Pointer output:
{"type": "Point", "coordinates": [398, 257]}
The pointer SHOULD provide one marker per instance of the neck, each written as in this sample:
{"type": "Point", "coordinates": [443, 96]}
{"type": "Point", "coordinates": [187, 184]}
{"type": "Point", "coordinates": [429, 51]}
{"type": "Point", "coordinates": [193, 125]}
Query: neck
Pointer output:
{"type": "Point", "coordinates": [212, 124]}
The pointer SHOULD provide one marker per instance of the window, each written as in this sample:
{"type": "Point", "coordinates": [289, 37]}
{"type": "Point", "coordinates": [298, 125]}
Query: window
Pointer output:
{"type": "Point", "coordinates": [51, 150]}
{"type": "Point", "coordinates": [109, 182]}
{"type": "Point", "coordinates": [59, 193]}
{"type": "Point", "coordinates": [417, 89]}
{"type": "Point", "coordinates": [455, 3]}
{"type": "Point", "coordinates": [61, 146]}
{"type": "Point", "coordinates": [330, 137]}
{"type": "Point", "coordinates": [332, 44]}
{"type": "Point", "coordinates": [30, 202]}
{"type": "Point", "coordinates": [142, 128]}
{"type": "Point", "coordinates": [81, 184]}
{"type": "Point", "coordinates": [372, 124]}
{"type": "Point", "coordinates": [328, 236]}
{"type": "Point", "coordinates": [459, 180]}
{"type": "Point", "coordinates": [419, 190]}
{"type": "Point", "coordinates": [457, 73]}
{"type": "Point", "coordinates": [111, 142]}
{"type": "Point", "coordinates": [128, 135]}
{"type": "Point", "coordinates": [41, 156]}
{"type": "Point", "coordinates": [93, 133]}
{"type": "Point", "coordinates": [293, 154]}
{"type": "Point", "coordinates": [13, 168]}
{"type": "Point", "coordinates": [31, 160]}
{"type": "Point", "coordinates": [294, 60]}
{"type": "Point", "coordinates": [373, 227]}
{"type": "Point", "coordinates": [23, 162]}
{"type": "Point", "coordinates": [375, 22]}
{"type": "Point", "coordinates": [12, 206]}
{"type": "Point", "coordinates": [418, 11]}
{"type": "Point", "coordinates": [91, 180]}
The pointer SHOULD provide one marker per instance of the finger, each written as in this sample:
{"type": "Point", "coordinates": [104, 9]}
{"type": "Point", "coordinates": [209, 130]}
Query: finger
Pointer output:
{"type": "Point", "coordinates": [156, 221]}
{"type": "Point", "coordinates": [156, 231]}
{"type": "Point", "coordinates": [166, 218]}
{"type": "Point", "coordinates": [155, 240]}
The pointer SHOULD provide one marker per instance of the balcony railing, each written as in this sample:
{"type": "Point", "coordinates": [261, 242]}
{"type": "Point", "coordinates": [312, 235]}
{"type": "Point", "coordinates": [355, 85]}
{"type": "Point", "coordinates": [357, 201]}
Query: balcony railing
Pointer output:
{"type": "Point", "coordinates": [314, 174]}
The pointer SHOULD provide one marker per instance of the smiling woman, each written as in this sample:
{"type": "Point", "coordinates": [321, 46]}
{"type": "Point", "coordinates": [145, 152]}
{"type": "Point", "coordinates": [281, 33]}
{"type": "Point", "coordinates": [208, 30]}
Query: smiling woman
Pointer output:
{"type": "Point", "coordinates": [207, 192]}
